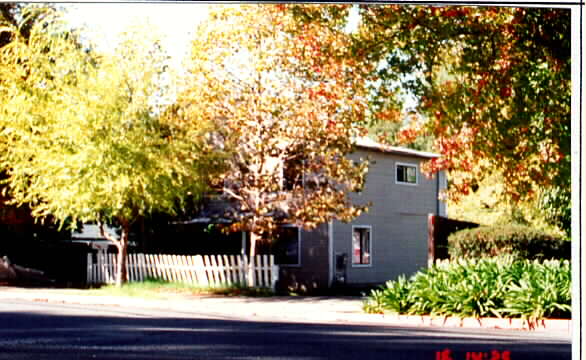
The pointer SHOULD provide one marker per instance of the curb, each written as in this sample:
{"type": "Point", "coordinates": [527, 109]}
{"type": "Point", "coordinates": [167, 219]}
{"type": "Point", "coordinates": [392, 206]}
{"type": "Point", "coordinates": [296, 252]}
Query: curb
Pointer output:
{"type": "Point", "coordinates": [558, 325]}
{"type": "Point", "coordinates": [249, 307]}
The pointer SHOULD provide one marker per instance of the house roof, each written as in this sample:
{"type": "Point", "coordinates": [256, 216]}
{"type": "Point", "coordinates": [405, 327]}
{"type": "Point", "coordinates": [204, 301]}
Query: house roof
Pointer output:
{"type": "Point", "coordinates": [367, 143]}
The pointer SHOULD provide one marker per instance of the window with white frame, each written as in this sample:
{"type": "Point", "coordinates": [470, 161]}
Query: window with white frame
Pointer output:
{"type": "Point", "coordinates": [361, 245]}
{"type": "Point", "coordinates": [406, 173]}
{"type": "Point", "coordinates": [287, 246]}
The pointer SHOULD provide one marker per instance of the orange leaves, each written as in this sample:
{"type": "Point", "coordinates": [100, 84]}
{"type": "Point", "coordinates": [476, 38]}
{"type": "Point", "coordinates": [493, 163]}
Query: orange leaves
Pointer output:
{"type": "Point", "coordinates": [291, 108]}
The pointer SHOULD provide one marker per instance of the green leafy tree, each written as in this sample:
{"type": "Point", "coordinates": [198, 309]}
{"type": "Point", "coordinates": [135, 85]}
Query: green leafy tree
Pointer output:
{"type": "Point", "coordinates": [493, 84]}
{"type": "Point", "coordinates": [81, 137]}
{"type": "Point", "coordinates": [285, 115]}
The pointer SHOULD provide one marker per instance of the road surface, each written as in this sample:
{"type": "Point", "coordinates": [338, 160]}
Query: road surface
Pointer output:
{"type": "Point", "coordinates": [33, 330]}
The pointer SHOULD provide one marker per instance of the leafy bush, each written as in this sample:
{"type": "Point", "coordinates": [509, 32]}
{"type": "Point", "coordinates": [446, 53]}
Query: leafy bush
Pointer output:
{"type": "Point", "coordinates": [520, 241]}
{"type": "Point", "coordinates": [542, 290]}
{"type": "Point", "coordinates": [501, 287]}
{"type": "Point", "coordinates": [396, 295]}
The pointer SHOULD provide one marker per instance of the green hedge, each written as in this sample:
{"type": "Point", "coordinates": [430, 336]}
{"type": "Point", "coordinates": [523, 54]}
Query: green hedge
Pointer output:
{"type": "Point", "coordinates": [519, 241]}
{"type": "Point", "coordinates": [489, 287]}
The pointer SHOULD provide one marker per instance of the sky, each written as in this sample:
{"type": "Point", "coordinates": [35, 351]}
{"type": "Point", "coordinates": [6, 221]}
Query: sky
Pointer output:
{"type": "Point", "coordinates": [175, 22]}
{"type": "Point", "coordinates": [105, 21]}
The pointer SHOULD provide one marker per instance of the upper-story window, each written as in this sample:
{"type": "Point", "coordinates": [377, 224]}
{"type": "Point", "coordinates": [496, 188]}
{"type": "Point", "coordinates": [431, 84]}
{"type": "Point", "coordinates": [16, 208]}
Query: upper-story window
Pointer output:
{"type": "Point", "coordinates": [406, 173]}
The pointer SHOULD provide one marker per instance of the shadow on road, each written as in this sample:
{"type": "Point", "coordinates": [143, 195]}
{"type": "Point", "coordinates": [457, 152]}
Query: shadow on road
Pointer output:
{"type": "Point", "coordinates": [28, 335]}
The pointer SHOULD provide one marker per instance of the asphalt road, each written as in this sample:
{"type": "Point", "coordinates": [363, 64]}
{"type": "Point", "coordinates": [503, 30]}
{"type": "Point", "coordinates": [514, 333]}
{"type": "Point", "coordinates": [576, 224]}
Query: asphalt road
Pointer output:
{"type": "Point", "coordinates": [32, 330]}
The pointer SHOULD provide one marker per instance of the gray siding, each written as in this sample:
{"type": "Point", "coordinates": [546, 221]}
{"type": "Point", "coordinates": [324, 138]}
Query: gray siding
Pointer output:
{"type": "Point", "coordinates": [398, 217]}
{"type": "Point", "coordinates": [313, 271]}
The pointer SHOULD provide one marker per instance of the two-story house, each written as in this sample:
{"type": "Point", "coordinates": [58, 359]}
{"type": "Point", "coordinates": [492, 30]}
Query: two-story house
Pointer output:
{"type": "Point", "coordinates": [387, 241]}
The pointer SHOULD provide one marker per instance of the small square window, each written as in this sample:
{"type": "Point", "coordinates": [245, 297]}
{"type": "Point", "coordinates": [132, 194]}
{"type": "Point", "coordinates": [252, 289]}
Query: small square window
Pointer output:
{"type": "Point", "coordinates": [406, 174]}
{"type": "Point", "coordinates": [361, 245]}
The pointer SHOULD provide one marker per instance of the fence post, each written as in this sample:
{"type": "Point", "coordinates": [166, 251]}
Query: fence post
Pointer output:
{"type": "Point", "coordinates": [89, 269]}
{"type": "Point", "coordinates": [241, 269]}
{"type": "Point", "coordinates": [274, 272]}
{"type": "Point", "coordinates": [248, 273]}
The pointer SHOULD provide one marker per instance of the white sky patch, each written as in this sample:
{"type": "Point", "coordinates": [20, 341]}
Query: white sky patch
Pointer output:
{"type": "Point", "coordinates": [104, 22]}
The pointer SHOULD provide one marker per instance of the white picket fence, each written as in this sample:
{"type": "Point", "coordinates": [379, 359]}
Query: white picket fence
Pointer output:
{"type": "Point", "coordinates": [207, 270]}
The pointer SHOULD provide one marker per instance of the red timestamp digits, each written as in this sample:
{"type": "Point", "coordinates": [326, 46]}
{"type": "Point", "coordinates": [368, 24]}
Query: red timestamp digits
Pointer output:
{"type": "Point", "coordinates": [447, 354]}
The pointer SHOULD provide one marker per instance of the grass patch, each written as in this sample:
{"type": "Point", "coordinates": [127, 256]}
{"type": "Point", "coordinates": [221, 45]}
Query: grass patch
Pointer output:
{"type": "Point", "coordinates": [160, 289]}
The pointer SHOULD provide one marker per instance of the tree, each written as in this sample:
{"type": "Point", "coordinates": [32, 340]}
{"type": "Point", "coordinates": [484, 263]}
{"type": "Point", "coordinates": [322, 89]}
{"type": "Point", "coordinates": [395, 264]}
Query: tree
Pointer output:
{"type": "Point", "coordinates": [81, 137]}
{"type": "Point", "coordinates": [493, 85]}
{"type": "Point", "coordinates": [284, 115]}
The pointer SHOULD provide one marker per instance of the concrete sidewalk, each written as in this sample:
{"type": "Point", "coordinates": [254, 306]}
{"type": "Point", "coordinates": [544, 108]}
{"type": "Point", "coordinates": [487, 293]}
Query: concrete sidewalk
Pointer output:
{"type": "Point", "coordinates": [286, 308]}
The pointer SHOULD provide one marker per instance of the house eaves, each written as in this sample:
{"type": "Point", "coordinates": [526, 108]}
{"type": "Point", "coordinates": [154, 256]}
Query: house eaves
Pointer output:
{"type": "Point", "coordinates": [366, 143]}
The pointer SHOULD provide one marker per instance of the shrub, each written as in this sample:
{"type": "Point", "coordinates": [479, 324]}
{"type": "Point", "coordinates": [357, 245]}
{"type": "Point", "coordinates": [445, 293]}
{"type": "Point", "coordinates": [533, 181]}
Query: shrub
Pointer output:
{"type": "Point", "coordinates": [501, 287]}
{"type": "Point", "coordinates": [543, 290]}
{"type": "Point", "coordinates": [520, 241]}
{"type": "Point", "coordinates": [395, 296]}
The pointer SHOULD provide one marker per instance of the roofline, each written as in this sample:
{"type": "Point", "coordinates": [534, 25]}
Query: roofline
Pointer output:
{"type": "Point", "coordinates": [370, 144]}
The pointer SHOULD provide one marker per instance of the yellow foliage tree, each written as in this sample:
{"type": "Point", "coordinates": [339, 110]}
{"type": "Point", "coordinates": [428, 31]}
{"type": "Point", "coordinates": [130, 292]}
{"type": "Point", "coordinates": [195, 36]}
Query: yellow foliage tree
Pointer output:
{"type": "Point", "coordinates": [81, 137]}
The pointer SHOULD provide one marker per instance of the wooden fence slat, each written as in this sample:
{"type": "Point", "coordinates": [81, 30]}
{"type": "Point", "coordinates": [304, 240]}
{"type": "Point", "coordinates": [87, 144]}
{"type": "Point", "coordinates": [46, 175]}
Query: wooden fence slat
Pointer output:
{"type": "Point", "coordinates": [227, 270]}
{"type": "Point", "coordinates": [233, 271]}
{"type": "Point", "coordinates": [173, 268]}
{"type": "Point", "coordinates": [129, 268]}
{"type": "Point", "coordinates": [214, 267]}
{"type": "Point", "coordinates": [202, 277]}
{"type": "Point", "coordinates": [160, 268]}
{"type": "Point", "coordinates": [274, 273]}
{"type": "Point", "coordinates": [99, 268]}
{"type": "Point", "coordinates": [221, 274]}
{"type": "Point", "coordinates": [184, 269]}
{"type": "Point", "coordinates": [240, 269]}
{"type": "Point", "coordinates": [112, 263]}
{"type": "Point", "coordinates": [209, 271]}
{"type": "Point", "coordinates": [169, 262]}
{"type": "Point", "coordinates": [220, 270]}
{"type": "Point", "coordinates": [206, 270]}
{"type": "Point", "coordinates": [163, 261]}
{"type": "Point", "coordinates": [191, 270]}
{"type": "Point", "coordinates": [157, 268]}
{"type": "Point", "coordinates": [142, 267]}
{"type": "Point", "coordinates": [265, 271]}
{"type": "Point", "coordinates": [257, 274]}
{"type": "Point", "coordinates": [103, 267]}
{"type": "Point", "coordinates": [150, 268]}
{"type": "Point", "coordinates": [137, 268]}
{"type": "Point", "coordinates": [248, 270]}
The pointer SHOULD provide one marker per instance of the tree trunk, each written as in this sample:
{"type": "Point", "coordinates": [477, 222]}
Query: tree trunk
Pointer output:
{"type": "Point", "coordinates": [253, 239]}
{"type": "Point", "coordinates": [121, 268]}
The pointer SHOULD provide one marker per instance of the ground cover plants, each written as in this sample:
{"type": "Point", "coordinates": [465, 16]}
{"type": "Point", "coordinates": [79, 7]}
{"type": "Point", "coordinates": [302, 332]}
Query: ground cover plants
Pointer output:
{"type": "Point", "coordinates": [487, 287]}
